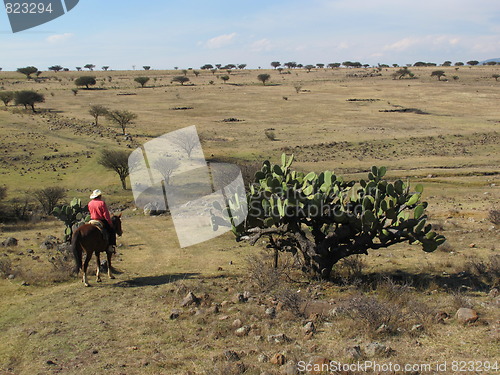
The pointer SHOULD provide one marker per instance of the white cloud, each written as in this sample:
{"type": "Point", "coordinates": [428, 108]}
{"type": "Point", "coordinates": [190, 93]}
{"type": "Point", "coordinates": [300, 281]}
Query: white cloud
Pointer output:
{"type": "Point", "coordinates": [59, 38]}
{"type": "Point", "coordinates": [262, 45]}
{"type": "Point", "coordinates": [220, 41]}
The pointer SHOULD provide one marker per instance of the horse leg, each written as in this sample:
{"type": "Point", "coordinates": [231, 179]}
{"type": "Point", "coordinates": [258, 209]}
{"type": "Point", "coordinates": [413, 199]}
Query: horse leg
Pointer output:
{"type": "Point", "coordinates": [88, 255]}
{"type": "Point", "coordinates": [109, 255]}
{"type": "Point", "coordinates": [98, 272]}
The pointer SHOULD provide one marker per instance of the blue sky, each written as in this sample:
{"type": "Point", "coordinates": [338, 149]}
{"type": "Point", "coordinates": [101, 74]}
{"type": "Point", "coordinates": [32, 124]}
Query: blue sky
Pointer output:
{"type": "Point", "coordinates": [189, 33]}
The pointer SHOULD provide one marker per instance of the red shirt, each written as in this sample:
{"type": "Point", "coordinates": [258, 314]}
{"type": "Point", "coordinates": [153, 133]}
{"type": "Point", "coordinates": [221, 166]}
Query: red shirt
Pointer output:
{"type": "Point", "coordinates": [99, 210]}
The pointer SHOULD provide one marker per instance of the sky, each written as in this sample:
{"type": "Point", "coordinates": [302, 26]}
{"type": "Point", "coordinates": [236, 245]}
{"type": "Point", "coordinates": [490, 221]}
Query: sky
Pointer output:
{"type": "Point", "coordinates": [188, 34]}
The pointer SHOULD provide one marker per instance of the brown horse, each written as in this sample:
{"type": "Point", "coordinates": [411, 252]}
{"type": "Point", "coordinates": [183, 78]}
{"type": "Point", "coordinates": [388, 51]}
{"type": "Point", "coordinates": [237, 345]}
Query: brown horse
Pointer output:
{"type": "Point", "coordinates": [89, 239]}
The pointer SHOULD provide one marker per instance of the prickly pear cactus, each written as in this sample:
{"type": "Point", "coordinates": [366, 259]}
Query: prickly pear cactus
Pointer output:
{"type": "Point", "coordinates": [326, 218]}
{"type": "Point", "coordinates": [71, 215]}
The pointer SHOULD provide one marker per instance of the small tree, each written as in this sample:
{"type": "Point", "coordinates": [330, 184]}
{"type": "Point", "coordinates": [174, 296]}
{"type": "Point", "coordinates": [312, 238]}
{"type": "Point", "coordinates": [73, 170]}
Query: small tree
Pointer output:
{"type": "Point", "coordinates": [242, 66]}
{"type": "Point", "coordinates": [28, 98]}
{"type": "Point", "coordinates": [224, 78]}
{"type": "Point", "coordinates": [116, 160]}
{"type": "Point", "coordinates": [56, 68]}
{"type": "Point", "coordinates": [196, 73]}
{"type": "Point", "coordinates": [105, 68]}
{"type": "Point", "coordinates": [142, 80]}
{"type": "Point", "coordinates": [263, 78]}
{"type": "Point", "coordinates": [275, 64]}
{"type": "Point", "coordinates": [97, 110]}
{"type": "Point", "coordinates": [308, 67]}
{"type": "Point", "coordinates": [146, 67]}
{"type": "Point", "coordinates": [323, 218]}
{"type": "Point", "coordinates": [438, 74]}
{"type": "Point", "coordinates": [49, 197]}
{"type": "Point", "coordinates": [472, 62]}
{"type": "Point", "coordinates": [403, 72]}
{"type": "Point", "coordinates": [181, 79]}
{"type": "Point", "coordinates": [90, 67]}
{"type": "Point", "coordinates": [85, 81]}
{"type": "Point", "coordinates": [166, 166]}
{"type": "Point", "coordinates": [27, 71]}
{"type": "Point", "coordinates": [320, 65]}
{"type": "Point", "coordinates": [79, 68]}
{"type": "Point", "coordinates": [6, 97]}
{"type": "Point", "coordinates": [496, 76]}
{"type": "Point", "coordinates": [187, 141]}
{"type": "Point", "coordinates": [122, 118]}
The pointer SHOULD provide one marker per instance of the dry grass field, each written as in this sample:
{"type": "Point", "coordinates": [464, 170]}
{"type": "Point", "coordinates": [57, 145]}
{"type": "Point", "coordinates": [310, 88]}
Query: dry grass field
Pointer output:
{"type": "Point", "coordinates": [395, 306]}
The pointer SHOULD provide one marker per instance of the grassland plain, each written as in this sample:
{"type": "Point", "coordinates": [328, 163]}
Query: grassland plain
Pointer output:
{"type": "Point", "coordinates": [441, 133]}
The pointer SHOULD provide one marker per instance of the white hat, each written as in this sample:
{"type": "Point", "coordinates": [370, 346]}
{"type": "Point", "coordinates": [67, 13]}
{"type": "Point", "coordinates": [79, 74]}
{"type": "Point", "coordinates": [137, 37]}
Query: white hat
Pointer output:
{"type": "Point", "coordinates": [96, 193]}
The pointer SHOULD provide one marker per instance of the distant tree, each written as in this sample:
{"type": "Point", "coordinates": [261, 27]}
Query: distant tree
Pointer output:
{"type": "Point", "coordinates": [79, 68]}
{"type": "Point", "coordinates": [121, 118]}
{"type": "Point", "coordinates": [438, 74]}
{"type": "Point", "coordinates": [141, 80]}
{"type": "Point", "coordinates": [275, 64]}
{"type": "Point", "coordinates": [297, 86]}
{"type": "Point", "coordinates": [395, 65]}
{"type": "Point", "coordinates": [224, 78]}
{"type": "Point", "coordinates": [420, 63]}
{"type": "Point", "coordinates": [218, 66]}
{"type": "Point", "coordinates": [89, 67]}
{"type": "Point", "coordinates": [242, 66]}
{"type": "Point", "coordinates": [98, 110]}
{"type": "Point", "coordinates": [56, 68]}
{"type": "Point", "coordinates": [459, 63]}
{"type": "Point", "coordinates": [290, 64]}
{"type": "Point", "coordinates": [308, 67]}
{"type": "Point", "coordinates": [185, 72]}
{"type": "Point", "coordinates": [85, 81]}
{"type": "Point", "coordinates": [6, 97]}
{"type": "Point", "coordinates": [146, 67]}
{"type": "Point", "coordinates": [447, 63]}
{"type": "Point", "coordinates": [176, 67]}
{"type": "Point", "coordinates": [166, 166]}
{"type": "Point", "coordinates": [334, 65]}
{"type": "Point", "coordinates": [187, 141]}
{"type": "Point", "coordinates": [207, 67]}
{"type": "Point", "coordinates": [263, 78]}
{"type": "Point", "coordinates": [180, 79]}
{"type": "Point", "coordinates": [66, 69]}
{"type": "Point", "coordinates": [280, 70]}
{"type": "Point", "coordinates": [116, 160]}
{"type": "Point", "coordinates": [472, 62]}
{"type": "Point", "coordinates": [105, 68]}
{"type": "Point", "coordinates": [196, 73]}
{"type": "Point", "coordinates": [491, 63]}
{"type": "Point", "coordinates": [403, 72]}
{"type": "Point", "coordinates": [49, 197]}
{"type": "Point", "coordinates": [27, 71]}
{"type": "Point", "coordinates": [496, 76]}
{"type": "Point", "coordinates": [320, 66]}
{"type": "Point", "coordinates": [213, 71]}
{"type": "Point", "coordinates": [28, 98]}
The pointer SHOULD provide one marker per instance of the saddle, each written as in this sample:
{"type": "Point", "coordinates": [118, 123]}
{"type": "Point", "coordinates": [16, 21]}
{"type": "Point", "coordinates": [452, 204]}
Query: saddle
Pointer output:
{"type": "Point", "coordinates": [100, 226]}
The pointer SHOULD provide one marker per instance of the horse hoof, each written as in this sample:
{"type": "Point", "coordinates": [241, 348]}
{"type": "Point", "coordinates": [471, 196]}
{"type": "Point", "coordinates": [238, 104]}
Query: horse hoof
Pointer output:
{"type": "Point", "coordinates": [98, 280]}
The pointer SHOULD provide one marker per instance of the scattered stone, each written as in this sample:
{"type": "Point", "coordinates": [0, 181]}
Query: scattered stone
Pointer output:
{"type": "Point", "coordinates": [290, 368]}
{"type": "Point", "coordinates": [278, 359]}
{"type": "Point", "coordinates": [11, 277]}
{"type": "Point", "coordinates": [224, 317]}
{"type": "Point", "coordinates": [231, 356]}
{"type": "Point", "coordinates": [466, 316]}
{"type": "Point", "coordinates": [271, 312]}
{"type": "Point", "coordinates": [10, 241]}
{"type": "Point", "coordinates": [441, 316]}
{"type": "Point", "coordinates": [47, 245]}
{"type": "Point", "coordinates": [278, 339]}
{"type": "Point", "coordinates": [472, 245]}
{"type": "Point", "coordinates": [237, 323]}
{"type": "Point", "coordinates": [493, 293]}
{"type": "Point", "coordinates": [214, 309]}
{"type": "Point", "coordinates": [354, 352]}
{"type": "Point", "coordinates": [190, 299]}
{"type": "Point", "coordinates": [24, 283]}
{"type": "Point", "coordinates": [30, 251]}
{"type": "Point", "coordinates": [242, 331]}
{"type": "Point", "coordinates": [262, 358]}
{"type": "Point", "coordinates": [384, 328]}
{"type": "Point", "coordinates": [417, 328]}
{"type": "Point", "coordinates": [240, 297]}
{"type": "Point", "coordinates": [309, 328]}
{"type": "Point", "coordinates": [375, 349]}
{"type": "Point", "coordinates": [174, 314]}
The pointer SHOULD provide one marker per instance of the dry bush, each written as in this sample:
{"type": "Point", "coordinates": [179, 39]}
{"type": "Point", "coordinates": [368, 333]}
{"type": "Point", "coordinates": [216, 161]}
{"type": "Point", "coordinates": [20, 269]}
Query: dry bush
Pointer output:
{"type": "Point", "coordinates": [486, 271]}
{"type": "Point", "coordinates": [459, 300]}
{"type": "Point", "coordinates": [261, 272]}
{"type": "Point", "coordinates": [350, 270]}
{"type": "Point", "coordinates": [5, 267]}
{"type": "Point", "coordinates": [291, 300]}
{"type": "Point", "coordinates": [494, 216]}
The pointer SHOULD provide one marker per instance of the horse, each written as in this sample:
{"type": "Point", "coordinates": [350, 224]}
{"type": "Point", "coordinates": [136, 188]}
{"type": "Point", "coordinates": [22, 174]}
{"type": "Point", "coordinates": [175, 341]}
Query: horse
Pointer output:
{"type": "Point", "coordinates": [89, 239]}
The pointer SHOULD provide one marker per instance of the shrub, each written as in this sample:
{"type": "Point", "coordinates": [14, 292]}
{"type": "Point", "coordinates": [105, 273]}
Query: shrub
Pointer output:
{"type": "Point", "coordinates": [141, 80]}
{"type": "Point", "coordinates": [270, 134]}
{"type": "Point", "coordinates": [28, 98]}
{"type": "Point", "coordinates": [494, 216]}
{"type": "Point", "coordinates": [85, 81]}
{"type": "Point", "coordinates": [263, 78]}
{"type": "Point", "coordinates": [49, 197]}
{"type": "Point", "coordinates": [6, 97]}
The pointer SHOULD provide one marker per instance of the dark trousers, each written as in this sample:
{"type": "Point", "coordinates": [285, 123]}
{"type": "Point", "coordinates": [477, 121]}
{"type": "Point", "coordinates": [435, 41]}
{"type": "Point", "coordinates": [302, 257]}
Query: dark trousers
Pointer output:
{"type": "Point", "coordinates": [111, 233]}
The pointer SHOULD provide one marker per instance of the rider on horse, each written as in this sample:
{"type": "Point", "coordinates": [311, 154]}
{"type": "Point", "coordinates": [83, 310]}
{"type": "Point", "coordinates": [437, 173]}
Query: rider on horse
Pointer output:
{"type": "Point", "coordinates": [99, 211]}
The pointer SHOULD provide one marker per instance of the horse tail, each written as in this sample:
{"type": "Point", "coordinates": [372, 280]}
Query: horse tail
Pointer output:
{"type": "Point", "coordinates": [76, 249]}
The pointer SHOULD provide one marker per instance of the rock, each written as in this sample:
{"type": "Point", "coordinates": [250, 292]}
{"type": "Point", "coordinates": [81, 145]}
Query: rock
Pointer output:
{"type": "Point", "coordinates": [308, 328]}
{"type": "Point", "coordinates": [11, 277]}
{"type": "Point", "coordinates": [174, 314]}
{"type": "Point", "coordinates": [384, 328]}
{"type": "Point", "coordinates": [375, 349]}
{"type": "Point", "coordinates": [318, 365]}
{"type": "Point", "coordinates": [231, 356]}
{"type": "Point", "coordinates": [47, 245]}
{"type": "Point", "coordinates": [465, 315]}
{"type": "Point", "coordinates": [262, 358]}
{"type": "Point", "coordinates": [271, 312]}
{"type": "Point", "coordinates": [240, 298]}
{"type": "Point", "coordinates": [242, 331]}
{"type": "Point", "coordinates": [493, 293]}
{"type": "Point", "coordinates": [278, 339]}
{"type": "Point", "coordinates": [214, 309]}
{"type": "Point", "coordinates": [417, 328]}
{"type": "Point", "coordinates": [290, 368]}
{"type": "Point", "coordinates": [30, 251]}
{"type": "Point", "coordinates": [472, 245]}
{"type": "Point", "coordinates": [441, 316]}
{"type": "Point", "coordinates": [354, 353]}
{"type": "Point", "coordinates": [190, 299]}
{"type": "Point", "coordinates": [10, 241]}
{"type": "Point", "coordinates": [278, 359]}
{"type": "Point", "coordinates": [237, 323]}
{"type": "Point", "coordinates": [24, 283]}
{"type": "Point", "coordinates": [224, 317]}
